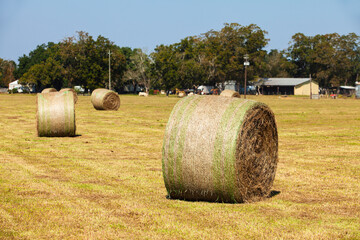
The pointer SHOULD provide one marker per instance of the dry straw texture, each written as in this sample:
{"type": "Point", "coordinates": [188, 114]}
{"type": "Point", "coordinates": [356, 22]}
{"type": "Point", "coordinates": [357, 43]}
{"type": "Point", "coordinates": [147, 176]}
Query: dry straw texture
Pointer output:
{"type": "Point", "coordinates": [104, 99]}
{"type": "Point", "coordinates": [230, 93]}
{"type": "Point", "coordinates": [73, 92]}
{"type": "Point", "coordinates": [47, 90]}
{"type": "Point", "coordinates": [55, 115]}
{"type": "Point", "coordinates": [220, 149]}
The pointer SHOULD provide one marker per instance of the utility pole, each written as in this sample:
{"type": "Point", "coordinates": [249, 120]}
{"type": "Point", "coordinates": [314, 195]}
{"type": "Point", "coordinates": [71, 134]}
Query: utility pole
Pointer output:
{"type": "Point", "coordinates": [245, 84]}
{"type": "Point", "coordinates": [109, 71]}
{"type": "Point", "coordinates": [310, 88]}
{"type": "Point", "coordinates": [246, 63]}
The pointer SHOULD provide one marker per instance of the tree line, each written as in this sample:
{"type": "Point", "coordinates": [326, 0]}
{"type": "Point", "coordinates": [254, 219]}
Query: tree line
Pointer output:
{"type": "Point", "coordinates": [207, 59]}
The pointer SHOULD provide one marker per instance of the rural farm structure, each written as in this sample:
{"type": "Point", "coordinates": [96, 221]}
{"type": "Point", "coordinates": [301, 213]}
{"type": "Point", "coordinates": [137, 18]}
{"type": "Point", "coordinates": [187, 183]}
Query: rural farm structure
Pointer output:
{"type": "Point", "coordinates": [287, 86]}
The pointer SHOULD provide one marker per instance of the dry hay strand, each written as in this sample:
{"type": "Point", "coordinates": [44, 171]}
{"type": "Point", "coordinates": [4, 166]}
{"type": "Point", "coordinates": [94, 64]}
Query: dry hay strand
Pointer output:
{"type": "Point", "coordinates": [230, 93]}
{"type": "Point", "coordinates": [55, 116]}
{"type": "Point", "coordinates": [104, 99]}
{"type": "Point", "coordinates": [73, 92]}
{"type": "Point", "coordinates": [48, 90]}
{"type": "Point", "coordinates": [220, 149]}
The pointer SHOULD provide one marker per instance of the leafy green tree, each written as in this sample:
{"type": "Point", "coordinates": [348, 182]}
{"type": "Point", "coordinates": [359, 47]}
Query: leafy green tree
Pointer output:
{"type": "Point", "coordinates": [276, 64]}
{"type": "Point", "coordinates": [1, 74]}
{"type": "Point", "coordinates": [7, 69]}
{"type": "Point", "coordinates": [331, 59]}
{"type": "Point", "coordinates": [231, 44]}
{"type": "Point", "coordinates": [78, 60]}
{"type": "Point", "coordinates": [166, 66]}
{"type": "Point", "coordinates": [212, 57]}
{"type": "Point", "coordinates": [85, 61]}
{"type": "Point", "coordinates": [40, 54]}
{"type": "Point", "coordinates": [46, 74]}
{"type": "Point", "coordinates": [140, 70]}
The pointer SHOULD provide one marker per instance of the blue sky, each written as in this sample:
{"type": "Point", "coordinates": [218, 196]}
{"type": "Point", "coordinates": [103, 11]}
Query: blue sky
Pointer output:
{"type": "Point", "coordinates": [24, 24]}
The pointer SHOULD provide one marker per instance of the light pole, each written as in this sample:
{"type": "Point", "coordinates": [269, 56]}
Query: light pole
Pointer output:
{"type": "Point", "coordinates": [246, 63]}
{"type": "Point", "coordinates": [109, 71]}
{"type": "Point", "coordinates": [310, 87]}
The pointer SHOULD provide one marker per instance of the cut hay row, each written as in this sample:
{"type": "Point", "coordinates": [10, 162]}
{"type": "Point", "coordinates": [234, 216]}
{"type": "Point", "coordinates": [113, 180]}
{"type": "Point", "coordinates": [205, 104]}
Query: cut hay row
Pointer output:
{"type": "Point", "coordinates": [73, 92]}
{"type": "Point", "coordinates": [230, 93]}
{"type": "Point", "coordinates": [48, 90]}
{"type": "Point", "coordinates": [55, 116]}
{"type": "Point", "coordinates": [220, 149]}
{"type": "Point", "coordinates": [104, 99]}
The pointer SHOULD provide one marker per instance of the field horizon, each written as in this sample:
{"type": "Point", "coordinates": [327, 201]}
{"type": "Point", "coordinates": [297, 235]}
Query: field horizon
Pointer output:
{"type": "Point", "coordinates": [107, 183]}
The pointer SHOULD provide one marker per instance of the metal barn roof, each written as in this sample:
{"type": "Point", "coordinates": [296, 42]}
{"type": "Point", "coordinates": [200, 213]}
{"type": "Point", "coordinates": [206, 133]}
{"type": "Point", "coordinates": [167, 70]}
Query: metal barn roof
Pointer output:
{"type": "Point", "coordinates": [348, 87]}
{"type": "Point", "coordinates": [282, 81]}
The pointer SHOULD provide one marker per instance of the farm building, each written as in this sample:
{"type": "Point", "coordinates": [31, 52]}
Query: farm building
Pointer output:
{"type": "Point", "coordinates": [15, 84]}
{"type": "Point", "coordinates": [287, 86]}
{"type": "Point", "coordinates": [347, 90]}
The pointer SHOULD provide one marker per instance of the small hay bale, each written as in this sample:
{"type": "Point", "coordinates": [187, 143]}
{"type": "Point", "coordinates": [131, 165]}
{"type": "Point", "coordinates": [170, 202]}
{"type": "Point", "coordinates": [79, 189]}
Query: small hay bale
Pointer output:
{"type": "Point", "coordinates": [230, 93]}
{"type": "Point", "coordinates": [220, 149]}
{"type": "Point", "coordinates": [104, 99]}
{"type": "Point", "coordinates": [73, 92]}
{"type": "Point", "coordinates": [181, 95]}
{"type": "Point", "coordinates": [47, 90]}
{"type": "Point", "coordinates": [55, 116]}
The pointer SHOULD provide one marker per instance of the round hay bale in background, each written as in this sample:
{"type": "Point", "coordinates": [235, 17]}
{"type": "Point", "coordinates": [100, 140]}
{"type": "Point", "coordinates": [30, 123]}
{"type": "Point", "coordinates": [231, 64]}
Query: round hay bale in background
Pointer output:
{"type": "Point", "coordinates": [55, 116]}
{"type": "Point", "coordinates": [181, 94]}
{"type": "Point", "coordinates": [47, 90]}
{"type": "Point", "coordinates": [220, 149]}
{"type": "Point", "coordinates": [230, 93]}
{"type": "Point", "coordinates": [104, 99]}
{"type": "Point", "coordinates": [73, 92]}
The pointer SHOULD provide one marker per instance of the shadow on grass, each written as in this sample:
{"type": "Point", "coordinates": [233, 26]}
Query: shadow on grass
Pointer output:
{"type": "Point", "coordinates": [76, 135]}
{"type": "Point", "coordinates": [273, 193]}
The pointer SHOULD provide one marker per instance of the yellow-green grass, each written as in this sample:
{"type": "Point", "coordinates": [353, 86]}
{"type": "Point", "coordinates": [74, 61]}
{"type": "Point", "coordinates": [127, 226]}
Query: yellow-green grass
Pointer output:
{"type": "Point", "coordinates": [107, 183]}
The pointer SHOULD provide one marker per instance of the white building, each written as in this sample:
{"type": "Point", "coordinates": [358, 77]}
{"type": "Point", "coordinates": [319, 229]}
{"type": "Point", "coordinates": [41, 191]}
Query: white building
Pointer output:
{"type": "Point", "coordinates": [15, 84]}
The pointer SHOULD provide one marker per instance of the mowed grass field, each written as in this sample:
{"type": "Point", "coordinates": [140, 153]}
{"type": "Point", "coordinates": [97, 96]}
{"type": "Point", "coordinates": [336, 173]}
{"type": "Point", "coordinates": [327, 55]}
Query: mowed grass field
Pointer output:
{"type": "Point", "coordinates": [107, 183]}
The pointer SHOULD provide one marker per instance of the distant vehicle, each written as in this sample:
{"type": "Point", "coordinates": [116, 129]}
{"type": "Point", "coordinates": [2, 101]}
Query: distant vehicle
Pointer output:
{"type": "Point", "coordinates": [205, 90]}
{"type": "Point", "coordinates": [79, 89]}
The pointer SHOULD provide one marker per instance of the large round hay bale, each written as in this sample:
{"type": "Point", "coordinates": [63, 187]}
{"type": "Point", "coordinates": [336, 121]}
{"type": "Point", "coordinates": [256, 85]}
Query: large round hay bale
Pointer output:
{"type": "Point", "coordinates": [220, 149]}
{"type": "Point", "coordinates": [73, 92]}
{"type": "Point", "coordinates": [55, 115]}
{"type": "Point", "coordinates": [229, 93]}
{"type": "Point", "coordinates": [47, 90]}
{"type": "Point", "coordinates": [104, 99]}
